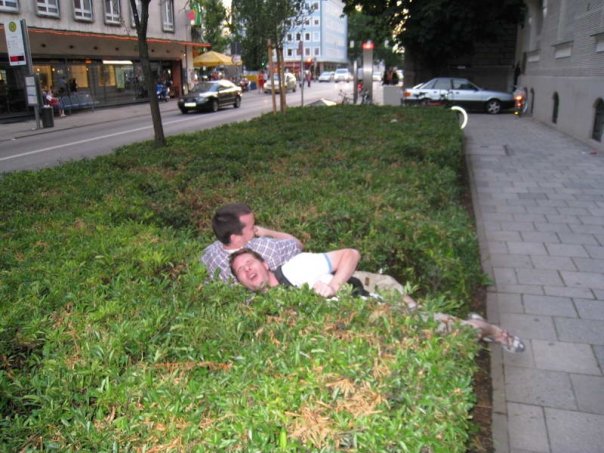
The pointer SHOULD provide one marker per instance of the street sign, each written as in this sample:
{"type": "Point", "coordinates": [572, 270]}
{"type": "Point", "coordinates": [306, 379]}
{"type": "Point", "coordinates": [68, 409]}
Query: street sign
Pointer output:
{"type": "Point", "coordinates": [14, 43]}
{"type": "Point", "coordinates": [32, 92]}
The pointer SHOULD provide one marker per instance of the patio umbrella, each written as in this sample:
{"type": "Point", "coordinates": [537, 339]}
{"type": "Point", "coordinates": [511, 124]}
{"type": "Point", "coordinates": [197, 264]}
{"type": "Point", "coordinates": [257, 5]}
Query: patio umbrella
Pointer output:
{"type": "Point", "coordinates": [212, 58]}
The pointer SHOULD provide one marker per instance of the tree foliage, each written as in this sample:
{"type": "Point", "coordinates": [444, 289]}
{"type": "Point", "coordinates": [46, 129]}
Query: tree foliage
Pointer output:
{"type": "Point", "coordinates": [213, 19]}
{"type": "Point", "coordinates": [257, 21]}
{"type": "Point", "coordinates": [362, 27]}
{"type": "Point", "coordinates": [435, 31]}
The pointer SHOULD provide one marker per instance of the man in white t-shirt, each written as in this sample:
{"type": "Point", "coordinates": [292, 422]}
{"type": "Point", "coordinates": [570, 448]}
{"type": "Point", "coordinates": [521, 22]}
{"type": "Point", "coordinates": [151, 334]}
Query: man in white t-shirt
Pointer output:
{"type": "Point", "coordinates": [325, 273]}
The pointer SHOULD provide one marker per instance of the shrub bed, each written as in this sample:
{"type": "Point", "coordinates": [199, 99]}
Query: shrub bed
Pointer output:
{"type": "Point", "coordinates": [111, 338]}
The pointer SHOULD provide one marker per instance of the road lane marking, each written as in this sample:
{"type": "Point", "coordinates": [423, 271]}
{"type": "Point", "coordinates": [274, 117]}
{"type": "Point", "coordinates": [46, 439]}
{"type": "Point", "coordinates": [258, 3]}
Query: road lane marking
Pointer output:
{"type": "Point", "coordinates": [92, 139]}
{"type": "Point", "coordinates": [100, 137]}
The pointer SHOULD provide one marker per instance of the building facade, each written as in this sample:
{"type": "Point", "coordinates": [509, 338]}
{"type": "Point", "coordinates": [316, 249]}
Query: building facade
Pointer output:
{"type": "Point", "coordinates": [324, 38]}
{"type": "Point", "coordinates": [560, 54]}
{"type": "Point", "coordinates": [85, 49]}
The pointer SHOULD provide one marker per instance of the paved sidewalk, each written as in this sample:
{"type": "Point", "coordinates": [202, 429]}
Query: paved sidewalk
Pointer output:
{"type": "Point", "coordinates": [539, 202]}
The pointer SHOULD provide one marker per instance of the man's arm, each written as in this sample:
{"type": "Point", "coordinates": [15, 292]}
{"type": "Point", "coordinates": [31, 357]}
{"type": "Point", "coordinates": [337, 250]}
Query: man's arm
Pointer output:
{"type": "Point", "coordinates": [344, 263]}
{"type": "Point", "coordinates": [260, 231]}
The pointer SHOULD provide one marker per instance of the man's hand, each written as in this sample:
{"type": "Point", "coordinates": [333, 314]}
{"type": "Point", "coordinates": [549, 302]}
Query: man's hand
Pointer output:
{"type": "Point", "coordinates": [324, 290]}
{"type": "Point", "coordinates": [260, 231]}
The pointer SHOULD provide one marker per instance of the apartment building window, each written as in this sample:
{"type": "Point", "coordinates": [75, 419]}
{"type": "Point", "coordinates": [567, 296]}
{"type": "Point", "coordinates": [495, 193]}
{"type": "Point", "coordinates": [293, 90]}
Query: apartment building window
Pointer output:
{"type": "Point", "coordinates": [289, 37]}
{"type": "Point", "coordinates": [316, 21]}
{"type": "Point", "coordinates": [112, 12]}
{"type": "Point", "coordinates": [317, 51]}
{"type": "Point", "coordinates": [290, 52]}
{"type": "Point", "coordinates": [307, 51]}
{"type": "Point", "coordinates": [168, 15]}
{"type": "Point", "coordinates": [306, 36]}
{"type": "Point", "coordinates": [9, 5]}
{"type": "Point", "coordinates": [556, 108]}
{"type": "Point", "coordinates": [47, 7]}
{"type": "Point", "coordinates": [298, 36]}
{"type": "Point", "coordinates": [82, 10]}
{"type": "Point", "coordinates": [598, 121]}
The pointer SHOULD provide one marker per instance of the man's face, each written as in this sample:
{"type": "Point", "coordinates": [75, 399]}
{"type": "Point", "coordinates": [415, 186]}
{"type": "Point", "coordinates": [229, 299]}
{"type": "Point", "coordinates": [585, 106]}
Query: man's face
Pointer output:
{"type": "Point", "coordinates": [247, 232]}
{"type": "Point", "coordinates": [251, 272]}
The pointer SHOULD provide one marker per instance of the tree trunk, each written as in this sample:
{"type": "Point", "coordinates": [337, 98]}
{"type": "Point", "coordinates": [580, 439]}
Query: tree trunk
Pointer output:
{"type": "Point", "coordinates": [141, 19]}
{"type": "Point", "coordinates": [158, 128]}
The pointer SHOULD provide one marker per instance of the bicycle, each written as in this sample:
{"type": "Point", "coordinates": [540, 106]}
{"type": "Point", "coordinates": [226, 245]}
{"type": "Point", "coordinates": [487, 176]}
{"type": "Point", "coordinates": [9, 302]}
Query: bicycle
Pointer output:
{"type": "Point", "coordinates": [344, 97]}
{"type": "Point", "coordinates": [365, 98]}
{"type": "Point", "coordinates": [444, 100]}
{"type": "Point", "coordinates": [520, 104]}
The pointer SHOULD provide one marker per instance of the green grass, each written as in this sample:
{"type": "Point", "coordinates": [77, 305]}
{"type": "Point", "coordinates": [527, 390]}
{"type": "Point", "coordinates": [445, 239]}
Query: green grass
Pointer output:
{"type": "Point", "coordinates": [111, 337]}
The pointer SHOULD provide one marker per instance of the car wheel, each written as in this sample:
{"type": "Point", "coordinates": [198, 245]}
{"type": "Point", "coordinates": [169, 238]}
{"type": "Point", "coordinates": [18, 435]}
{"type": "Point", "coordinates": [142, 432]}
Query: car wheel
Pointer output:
{"type": "Point", "coordinates": [493, 106]}
{"type": "Point", "coordinates": [184, 111]}
{"type": "Point", "coordinates": [294, 88]}
{"type": "Point", "coordinates": [237, 102]}
{"type": "Point", "coordinates": [214, 105]}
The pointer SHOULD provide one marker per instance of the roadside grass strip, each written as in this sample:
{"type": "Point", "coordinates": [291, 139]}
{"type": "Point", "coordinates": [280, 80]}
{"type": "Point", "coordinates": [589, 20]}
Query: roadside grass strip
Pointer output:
{"type": "Point", "coordinates": [113, 339]}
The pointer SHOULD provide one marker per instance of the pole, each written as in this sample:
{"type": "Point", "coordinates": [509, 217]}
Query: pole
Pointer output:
{"type": "Point", "coordinates": [301, 50]}
{"type": "Point", "coordinates": [30, 70]}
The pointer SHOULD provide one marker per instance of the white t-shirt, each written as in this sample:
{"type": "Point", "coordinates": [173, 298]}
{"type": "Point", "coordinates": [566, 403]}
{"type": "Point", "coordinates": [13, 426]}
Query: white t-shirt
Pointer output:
{"type": "Point", "coordinates": [308, 268]}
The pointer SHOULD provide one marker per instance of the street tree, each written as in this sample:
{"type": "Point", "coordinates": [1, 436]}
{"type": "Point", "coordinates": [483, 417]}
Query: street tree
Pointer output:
{"type": "Point", "coordinates": [259, 23]}
{"type": "Point", "coordinates": [436, 31]}
{"type": "Point", "coordinates": [140, 13]}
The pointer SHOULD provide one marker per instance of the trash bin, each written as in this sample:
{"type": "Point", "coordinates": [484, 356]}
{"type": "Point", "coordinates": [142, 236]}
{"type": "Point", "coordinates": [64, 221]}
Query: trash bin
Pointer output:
{"type": "Point", "coordinates": [48, 116]}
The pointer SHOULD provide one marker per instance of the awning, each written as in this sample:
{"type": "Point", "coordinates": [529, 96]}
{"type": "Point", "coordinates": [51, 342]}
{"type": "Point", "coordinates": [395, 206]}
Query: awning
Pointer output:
{"type": "Point", "coordinates": [212, 59]}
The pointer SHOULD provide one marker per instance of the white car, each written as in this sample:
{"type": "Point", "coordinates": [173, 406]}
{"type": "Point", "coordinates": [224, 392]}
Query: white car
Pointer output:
{"type": "Point", "coordinates": [460, 92]}
{"type": "Point", "coordinates": [342, 75]}
{"type": "Point", "coordinates": [289, 82]}
{"type": "Point", "coordinates": [326, 76]}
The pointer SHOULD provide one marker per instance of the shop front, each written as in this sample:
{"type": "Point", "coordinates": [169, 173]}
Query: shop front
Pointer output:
{"type": "Point", "coordinates": [88, 70]}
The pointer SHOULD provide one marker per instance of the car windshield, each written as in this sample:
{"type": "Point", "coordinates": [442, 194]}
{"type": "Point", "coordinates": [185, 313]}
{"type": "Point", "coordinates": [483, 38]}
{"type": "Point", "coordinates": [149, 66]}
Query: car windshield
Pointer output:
{"type": "Point", "coordinates": [205, 87]}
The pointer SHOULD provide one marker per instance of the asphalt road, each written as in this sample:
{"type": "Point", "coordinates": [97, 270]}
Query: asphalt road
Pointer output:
{"type": "Point", "coordinates": [90, 134]}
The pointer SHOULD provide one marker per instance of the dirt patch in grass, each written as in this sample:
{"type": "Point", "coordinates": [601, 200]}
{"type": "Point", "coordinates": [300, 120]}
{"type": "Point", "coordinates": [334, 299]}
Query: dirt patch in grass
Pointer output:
{"type": "Point", "coordinates": [482, 441]}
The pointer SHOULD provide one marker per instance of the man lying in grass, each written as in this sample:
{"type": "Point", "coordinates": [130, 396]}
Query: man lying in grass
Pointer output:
{"type": "Point", "coordinates": [325, 273]}
{"type": "Point", "coordinates": [235, 227]}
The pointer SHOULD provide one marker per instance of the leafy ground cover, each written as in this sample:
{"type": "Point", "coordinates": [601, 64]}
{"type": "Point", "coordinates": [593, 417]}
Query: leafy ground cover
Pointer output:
{"type": "Point", "coordinates": [111, 337]}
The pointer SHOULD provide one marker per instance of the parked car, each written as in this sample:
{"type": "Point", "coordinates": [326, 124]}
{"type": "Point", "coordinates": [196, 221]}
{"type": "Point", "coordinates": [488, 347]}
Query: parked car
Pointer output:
{"type": "Point", "coordinates": [289, 82]}
{"type": "Point", "coordinates": [326, 76]}
{"type": "Point", "coordinates": [461, 92]}
{"type": "Point", "coordinates": [211, 95]}
{"type": "Point", "coordinates": [342, 75]}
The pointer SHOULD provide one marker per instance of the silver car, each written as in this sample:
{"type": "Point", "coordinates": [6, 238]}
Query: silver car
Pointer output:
{"type": "Point", "coordinates": [342, 75]}
{"type": "Point", "coordinates": [326, 76]}
{"type": "Point", "coordinates": [460, 92]}
{"type": "Point", "coordinates": [289, 82]}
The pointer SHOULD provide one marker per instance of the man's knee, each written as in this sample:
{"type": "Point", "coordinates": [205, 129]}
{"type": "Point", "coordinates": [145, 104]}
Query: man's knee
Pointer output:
{"type": "Point", "coordinates": [378, 282]}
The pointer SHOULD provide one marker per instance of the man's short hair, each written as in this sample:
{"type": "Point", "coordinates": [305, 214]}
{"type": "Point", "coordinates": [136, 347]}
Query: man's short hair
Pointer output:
{"type": "Point", "coordinates": [226, 221]}
{"type": "Point", "coordinates": [233, 256]}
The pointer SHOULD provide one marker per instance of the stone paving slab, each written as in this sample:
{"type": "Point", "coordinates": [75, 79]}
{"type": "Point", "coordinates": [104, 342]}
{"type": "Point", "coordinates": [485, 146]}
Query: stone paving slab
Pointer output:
{"type": "Point", "coordinates": [575, 432]}
{"type": "Point", "coordinates": [540, 218]}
